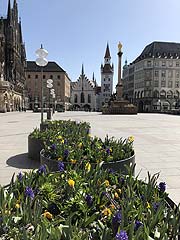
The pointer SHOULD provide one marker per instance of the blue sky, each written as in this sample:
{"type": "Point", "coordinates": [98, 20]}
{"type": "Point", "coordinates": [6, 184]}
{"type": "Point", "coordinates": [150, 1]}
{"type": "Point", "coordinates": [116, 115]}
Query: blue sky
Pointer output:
{"type": "Point", "coordinates": [77, 31]}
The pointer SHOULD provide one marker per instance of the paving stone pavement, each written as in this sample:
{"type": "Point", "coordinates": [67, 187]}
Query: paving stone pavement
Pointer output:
{"type": "Point", "coordinates": [157, 142]}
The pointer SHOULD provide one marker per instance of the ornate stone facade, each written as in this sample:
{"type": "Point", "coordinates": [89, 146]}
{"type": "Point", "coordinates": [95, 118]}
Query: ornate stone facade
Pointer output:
{"type": "Point", "coordinates": [152, 80]}
{"type": "Point", "coordinates": [12, 62]}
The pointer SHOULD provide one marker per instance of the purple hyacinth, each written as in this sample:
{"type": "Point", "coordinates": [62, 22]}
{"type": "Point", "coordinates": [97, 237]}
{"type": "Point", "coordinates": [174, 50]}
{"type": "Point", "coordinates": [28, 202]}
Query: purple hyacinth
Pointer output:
{"type": "Point", "coordinates": [60, 166]}
{"type": "Point", "coordinates": [138, 224]}
{"type": "Point", "coordinates": [162, 186]}
{"type": "Point", "coordinates": [53, 147]}
{"type": "Point", "coordinates": [155, 206]}
{"type": "Point", "coordinates": [122, 235]}
{"type": "Point", "coordinates": [20, 176]}
{"type": "Point", "coordinates": [89, 200]}
{"type": "Point", "coordinates": [116, 220]}
{"type": "Point", "coordinates": [66, 153]}
{"type": "Point", "coordinates": [108, 151]}
{"type": "Point", "coordinates": [29, 192]}
{"type": "Point", "coordinates": [42, 169]}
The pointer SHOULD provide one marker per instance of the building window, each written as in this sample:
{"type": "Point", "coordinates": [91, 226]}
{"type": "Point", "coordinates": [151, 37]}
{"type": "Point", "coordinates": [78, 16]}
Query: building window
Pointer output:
{"type": "Point", "coordinates": [170, 84]}
{"type": "Point", "coordinates": [177, 84]}
{"type": "Point", "coordinates": [177, 74]}
{"type": "Point", "coordinates": [170, 74]}
{"type": "Point", "coordinates": [58, 76]}
{"type": "Point", "coordinates": [75, 98]}
{"type": "Point", "coordinates": [156, 63]}
{"type": "Point", "coordinates": [148, 63]}
{"type": "Point", "coordinates": [29, 76]}
{"type": "Point", "coordinates": [170, 63]}
{"type": "Point", "coordinates": [36, 76]}
{"type": "Point", "coordinates": [89, 98]}
{"type": "Point", "coordinates": [177, 64]}
{"type": "Point", "coordinates": [156, 83]}
{"type": "Point", "coordinates": [156, 74]}
{"type": "Point", "coordinates": [163, 63]}
{"type": "Point", "coordinates": [44, 76]}
{"type": "Point", "coordinates": [104, 79]}
{"type": "Point", "coordinates": [109, 79]}
{"type": "Point", "coordinates": [51, 76]}
{"type": "Point", "coordinates": [58, 83]}
{"type": "Point", "coordinates": [163, 83]}
{"type": "Point", "coordinates": [163, 73]}
{"type": "Point", "coordinates": [82, 97]}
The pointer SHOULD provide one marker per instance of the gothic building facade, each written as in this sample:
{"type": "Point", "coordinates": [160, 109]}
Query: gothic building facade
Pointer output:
{"type": "Point", "coordinates": [12, 61]}
{"type": "Point", "coordinates": [84, 93]}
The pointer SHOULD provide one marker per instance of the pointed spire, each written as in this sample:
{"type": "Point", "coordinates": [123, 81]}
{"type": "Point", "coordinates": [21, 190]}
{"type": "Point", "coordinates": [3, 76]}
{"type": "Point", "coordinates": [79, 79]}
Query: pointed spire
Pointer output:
{"type": "Point", "coordinates": [93, 77]}
{"type": "Point", "coordinates": [9, 10]}
{"type": "Point", "coordinates": [82, 71]}
{"type": "Point", "coordinates": [107, 54]}
{"type": "Point", "coordinates": [15, 11]}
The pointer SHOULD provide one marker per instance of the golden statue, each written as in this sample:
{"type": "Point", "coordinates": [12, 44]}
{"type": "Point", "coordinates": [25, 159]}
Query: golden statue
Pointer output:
{"type": "Point", "coordinates": [119, 46]}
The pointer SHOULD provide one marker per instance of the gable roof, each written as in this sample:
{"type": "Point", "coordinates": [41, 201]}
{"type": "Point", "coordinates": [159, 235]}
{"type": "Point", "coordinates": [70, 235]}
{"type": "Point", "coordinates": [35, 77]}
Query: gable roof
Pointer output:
{"type": "Point", "coordinates": [50, 67]}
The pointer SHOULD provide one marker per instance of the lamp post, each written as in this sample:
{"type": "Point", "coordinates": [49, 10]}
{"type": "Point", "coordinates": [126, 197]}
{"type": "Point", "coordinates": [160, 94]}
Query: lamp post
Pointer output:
{"type": "Point", "coordinates": [41, 61]}
{"type": "Point", "coordinates": [49, 85]}
{"type": "Point", "coordinates": [159, 101]}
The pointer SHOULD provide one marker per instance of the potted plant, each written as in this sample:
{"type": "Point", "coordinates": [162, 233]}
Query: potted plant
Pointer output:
{"type": "Point", "coordinates": [89, 203]}
{"type": "Point", "coordinates": [114, 154]}
{"type": "Point", "coordinates": [37, 138]}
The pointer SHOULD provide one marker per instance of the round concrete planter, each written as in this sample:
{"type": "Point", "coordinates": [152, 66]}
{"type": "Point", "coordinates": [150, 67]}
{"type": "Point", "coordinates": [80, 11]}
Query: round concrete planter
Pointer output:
{"type": "Point", "coordinates": [34, 147]}
{"type": "Point", "coordinates": [115, 166]}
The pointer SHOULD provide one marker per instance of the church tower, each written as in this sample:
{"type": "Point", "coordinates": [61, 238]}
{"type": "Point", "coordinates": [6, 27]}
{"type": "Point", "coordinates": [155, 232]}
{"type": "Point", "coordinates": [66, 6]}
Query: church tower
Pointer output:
{"type": "Point", "coordinates": [107, 71]}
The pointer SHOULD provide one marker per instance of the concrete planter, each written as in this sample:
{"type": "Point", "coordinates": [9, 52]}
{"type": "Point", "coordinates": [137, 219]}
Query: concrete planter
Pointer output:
{"type": "Point", "coordinates": [115, 166]}
{"type": "Point", "coordinates": [34, 147]}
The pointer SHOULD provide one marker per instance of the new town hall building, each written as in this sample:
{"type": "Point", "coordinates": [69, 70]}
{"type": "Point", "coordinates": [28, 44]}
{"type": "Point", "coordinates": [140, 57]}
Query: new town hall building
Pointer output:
{"type": "Point", "coordinates": [152, 80]}
{"type": "Point", "coordinates": [12, 61]}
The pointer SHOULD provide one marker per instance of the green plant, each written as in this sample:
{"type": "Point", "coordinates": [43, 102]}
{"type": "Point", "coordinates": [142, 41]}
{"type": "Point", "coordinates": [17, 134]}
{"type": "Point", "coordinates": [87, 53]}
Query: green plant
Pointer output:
{"type": "Point", "coordinates": [86, 204]}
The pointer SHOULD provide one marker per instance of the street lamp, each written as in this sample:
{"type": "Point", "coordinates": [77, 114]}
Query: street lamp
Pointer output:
{"type": "Point", "coordinates": [41, 61]}
{"type": "Point", "coordinates": [159, 101]}
{"type": "Point", "coordinates": [49, 85]}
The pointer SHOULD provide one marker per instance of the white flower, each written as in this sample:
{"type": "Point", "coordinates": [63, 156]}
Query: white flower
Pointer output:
{"type": "Point", "coordinates": [157, 234]}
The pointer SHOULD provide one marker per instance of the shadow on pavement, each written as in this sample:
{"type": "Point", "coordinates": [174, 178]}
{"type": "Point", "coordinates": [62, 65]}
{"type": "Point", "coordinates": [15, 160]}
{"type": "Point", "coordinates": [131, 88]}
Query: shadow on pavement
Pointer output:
{"type": "Point", "coordinates": [22, 161]}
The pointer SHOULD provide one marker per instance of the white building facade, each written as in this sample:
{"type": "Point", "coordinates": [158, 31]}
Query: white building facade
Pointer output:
{"type": "Point", "coordinates": [155, 77]}
{"type": "Point", "coordinates": [83, 93]}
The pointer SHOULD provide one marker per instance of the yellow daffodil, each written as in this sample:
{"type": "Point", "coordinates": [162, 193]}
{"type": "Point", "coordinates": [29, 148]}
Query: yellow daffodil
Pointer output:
{"type": "Point", "coordinates": [71, 183]}
{"type": "Point", "coordinates": [73, 161]}
{"type": "Point", "coordinates": [80, 145]}
{"type": "Point", "coordinates": [116, 195]}
{"type": "Point", "coordinates": [88, 167]}
{"type": "Point", "coordinates": [131, 139]}
{"type": "Point", "coordinates": [17, 205]}
{"type": "Point", "coordinates": [47, 215]}
{"type": "Point", "coordinates": [106, 183]}
{"type": "Point", "coordinates": [59, 137]}
{"type": "Point", "coordinates": [62, 141]}
{"type": "Point", "coordinates": [148, 205]}
{"type": "Point", "coordinates": [119, 190]}
{"type": "Point", "coordinates": [107, 212]}
{"type": "Point", "coordinates": [110, 150]}
{"type": "Point", "coordinates": [60, 159]}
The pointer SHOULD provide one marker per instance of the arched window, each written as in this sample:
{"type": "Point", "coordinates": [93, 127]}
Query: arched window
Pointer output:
{"type": "Point", "coordinates": [82, 97]}
{"type": "Point", "coordinates": [75, 98]}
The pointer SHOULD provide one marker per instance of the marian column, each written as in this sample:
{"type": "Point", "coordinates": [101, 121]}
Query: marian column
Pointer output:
{"type": "Point", "coordinates": [119, 87]}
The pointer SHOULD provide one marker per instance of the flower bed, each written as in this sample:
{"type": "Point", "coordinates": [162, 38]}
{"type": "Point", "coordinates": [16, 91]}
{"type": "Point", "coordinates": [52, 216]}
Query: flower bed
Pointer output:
{"type": "Point", "coordinates": [86, 204]}
{"type": "Point", "coordinates": [37, 138]}
{"type": "Point", "coordinates": [114, 154]}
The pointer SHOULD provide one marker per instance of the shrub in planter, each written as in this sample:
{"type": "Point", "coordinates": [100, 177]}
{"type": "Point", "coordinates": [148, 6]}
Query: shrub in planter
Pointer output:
{"type": "Point", "coordinates": [86, 204]}
{"type": "Point", "coordinates": [114, 154]}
